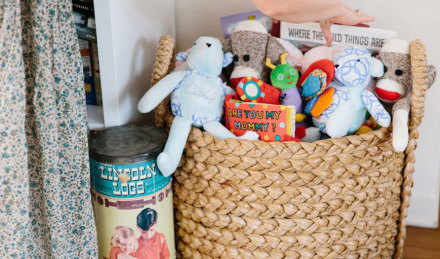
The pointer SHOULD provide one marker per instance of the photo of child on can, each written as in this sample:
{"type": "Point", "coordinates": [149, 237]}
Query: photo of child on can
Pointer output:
{"type": "Point", "coordinates": [150, 244]}
{"type": "Point", "coordinates": [123, 243]}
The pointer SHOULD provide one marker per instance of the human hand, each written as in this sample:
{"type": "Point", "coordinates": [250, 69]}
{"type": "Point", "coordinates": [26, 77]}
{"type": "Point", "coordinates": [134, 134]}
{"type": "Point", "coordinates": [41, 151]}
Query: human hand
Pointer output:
{"type": "Point", "coordinates": [348, 17]}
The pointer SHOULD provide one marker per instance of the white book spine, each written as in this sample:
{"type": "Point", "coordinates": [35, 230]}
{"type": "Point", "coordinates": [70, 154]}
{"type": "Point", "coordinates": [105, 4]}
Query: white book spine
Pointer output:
{"type": "Point", "coordinates": [310, 35]}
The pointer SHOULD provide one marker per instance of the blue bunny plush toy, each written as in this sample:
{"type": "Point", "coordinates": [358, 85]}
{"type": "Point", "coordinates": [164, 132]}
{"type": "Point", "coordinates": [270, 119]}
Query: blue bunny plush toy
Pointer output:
{"type": "Point", "coordinates": [354, 67]}
{"type": "Point", "coordinates": [197, 99]}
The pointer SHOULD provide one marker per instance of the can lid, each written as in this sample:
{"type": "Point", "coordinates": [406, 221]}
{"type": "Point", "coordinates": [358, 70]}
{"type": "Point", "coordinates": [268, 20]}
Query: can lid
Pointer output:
{"type": "Point", "coordinates": [127, 144]}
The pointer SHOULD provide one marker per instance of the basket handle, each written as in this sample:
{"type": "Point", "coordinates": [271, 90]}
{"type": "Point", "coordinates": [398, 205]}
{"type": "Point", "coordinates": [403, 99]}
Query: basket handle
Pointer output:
{"type": "Point", "coordinates": [162, 66]}
{"type": "Point", "coordinates": [419, 73]}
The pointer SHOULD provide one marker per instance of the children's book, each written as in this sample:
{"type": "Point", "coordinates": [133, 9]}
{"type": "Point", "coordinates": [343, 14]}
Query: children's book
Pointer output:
{"type": "Point", "coordinates": [229, 21]}
{"type": "Point", "coordinates": [308, 35]}
{"type": "Point", "coordinates": [271, 122]}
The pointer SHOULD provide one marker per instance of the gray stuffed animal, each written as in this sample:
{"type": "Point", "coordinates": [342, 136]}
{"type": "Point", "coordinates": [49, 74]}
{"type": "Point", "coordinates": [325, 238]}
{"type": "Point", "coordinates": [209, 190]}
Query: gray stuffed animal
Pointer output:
{"type": "Point", "coordinates": [394, 88]}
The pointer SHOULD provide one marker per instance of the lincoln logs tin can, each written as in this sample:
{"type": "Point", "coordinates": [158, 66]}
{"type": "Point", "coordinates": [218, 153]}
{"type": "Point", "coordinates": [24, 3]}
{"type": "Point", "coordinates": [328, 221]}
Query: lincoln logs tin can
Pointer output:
{"type": "Point", "coordinates": [132, 200]}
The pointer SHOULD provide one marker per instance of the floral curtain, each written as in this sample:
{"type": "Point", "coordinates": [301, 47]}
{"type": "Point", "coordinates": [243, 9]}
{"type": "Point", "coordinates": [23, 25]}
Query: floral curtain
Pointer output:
{"type": "Point", "coordinates": [45, 205]}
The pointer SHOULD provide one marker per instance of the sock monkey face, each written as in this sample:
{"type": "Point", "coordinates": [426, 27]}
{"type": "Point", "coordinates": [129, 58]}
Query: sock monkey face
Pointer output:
{"type": "Point", "coordinates": [249, 53]}
{"type": "Point", "coordinates": [397, 77]}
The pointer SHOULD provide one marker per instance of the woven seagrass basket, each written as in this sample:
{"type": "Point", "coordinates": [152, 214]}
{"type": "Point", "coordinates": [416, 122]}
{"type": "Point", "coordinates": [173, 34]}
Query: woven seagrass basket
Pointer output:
{"type": "Point", "coordinates": [333, 198]}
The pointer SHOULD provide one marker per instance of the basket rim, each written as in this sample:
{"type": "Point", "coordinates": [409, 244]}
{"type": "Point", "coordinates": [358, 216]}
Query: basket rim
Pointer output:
{"type": "Point", "coordinates": [381, 134]}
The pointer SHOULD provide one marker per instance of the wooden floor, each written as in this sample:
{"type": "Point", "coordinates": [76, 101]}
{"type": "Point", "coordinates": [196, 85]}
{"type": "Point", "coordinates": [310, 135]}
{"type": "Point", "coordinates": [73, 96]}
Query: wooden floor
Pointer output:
{"type": "Point", "coordinates": [422, 243]}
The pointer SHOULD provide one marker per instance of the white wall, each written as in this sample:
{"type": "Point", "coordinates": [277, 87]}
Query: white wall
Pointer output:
{"type": "Point", "coordinates": [128, 33]}
{"type": "Point", "coordinates": [411, 20]}
{"type": "Point", "coordinates": [195, 18]}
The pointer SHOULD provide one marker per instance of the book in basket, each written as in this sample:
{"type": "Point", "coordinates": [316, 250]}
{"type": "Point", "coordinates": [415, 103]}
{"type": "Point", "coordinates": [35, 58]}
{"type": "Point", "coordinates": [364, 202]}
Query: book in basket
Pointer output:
{"type": "Point", "coordinates": [271, 122]}
{"type": "Point", "coordinates": [308, 35]}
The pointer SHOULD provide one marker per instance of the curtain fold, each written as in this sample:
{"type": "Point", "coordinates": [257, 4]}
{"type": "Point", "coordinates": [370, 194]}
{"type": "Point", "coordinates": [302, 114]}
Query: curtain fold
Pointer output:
{"type": "Point", "coordinates": [45, 204]}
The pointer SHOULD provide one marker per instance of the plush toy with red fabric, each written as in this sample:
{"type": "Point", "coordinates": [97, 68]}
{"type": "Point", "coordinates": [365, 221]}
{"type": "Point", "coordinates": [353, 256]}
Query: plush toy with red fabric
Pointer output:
{"type": "Point", "coordinates": [313, 84]}
{"type": "Point", "coordinates": [251, 89]}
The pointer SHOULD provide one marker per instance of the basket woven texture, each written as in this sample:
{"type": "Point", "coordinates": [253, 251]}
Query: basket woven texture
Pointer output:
{"type": "Point", "coordinates": [334, 198]}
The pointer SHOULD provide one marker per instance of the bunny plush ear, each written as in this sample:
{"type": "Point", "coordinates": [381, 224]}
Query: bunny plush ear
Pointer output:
{"type": "Point", "coordinates": [183, 56]}
{"type": "Point", "coordinates": [377, 68]}
{"type": "Point", "coordinates": [227, 59]}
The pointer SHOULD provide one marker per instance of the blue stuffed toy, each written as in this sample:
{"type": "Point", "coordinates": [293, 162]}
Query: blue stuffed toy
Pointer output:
{"type": "Point", "coordinates": [197, 99]}
{"type": "Point", "coordinates": [354, 67]}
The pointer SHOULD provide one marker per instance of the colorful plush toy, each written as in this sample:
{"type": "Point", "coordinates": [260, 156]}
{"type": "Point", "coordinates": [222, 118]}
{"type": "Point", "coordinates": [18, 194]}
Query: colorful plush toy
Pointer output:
{"type": "Point", "coordinates": [284, 77]}
{"type": "Point", "coordinates": [197, 99]}
{"type": "Point", "coordinates": [251, 45]}
{"type": "Point", "coordinates": [251, 89]}
{"type": "Point", "coordinates": [394, 88]}
{"type": "Point", "coordinates": [369, 125]}
{"type": "Point", "coordinates": [354, 68]}
{"type": "Point", "coordinates": [313, 84]}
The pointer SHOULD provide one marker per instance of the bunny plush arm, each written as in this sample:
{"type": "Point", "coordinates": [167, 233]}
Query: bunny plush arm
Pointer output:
{"type": "Point", "coordinates": [160, 91]}
{"type": "Point", "coordinates": [376, 109]}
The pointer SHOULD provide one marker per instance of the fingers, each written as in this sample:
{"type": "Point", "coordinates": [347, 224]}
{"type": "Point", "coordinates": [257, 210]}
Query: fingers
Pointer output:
{"type": "Point", "coordinates": [363, 17]}
{"type": "Point", "coordinates": [326, 31]}
{"type": "Point", "coordinates": [352, 17]}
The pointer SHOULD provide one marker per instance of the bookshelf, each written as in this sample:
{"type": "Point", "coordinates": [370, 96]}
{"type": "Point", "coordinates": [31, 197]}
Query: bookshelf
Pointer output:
{"type": "Point", "coordinates": [127, 34]}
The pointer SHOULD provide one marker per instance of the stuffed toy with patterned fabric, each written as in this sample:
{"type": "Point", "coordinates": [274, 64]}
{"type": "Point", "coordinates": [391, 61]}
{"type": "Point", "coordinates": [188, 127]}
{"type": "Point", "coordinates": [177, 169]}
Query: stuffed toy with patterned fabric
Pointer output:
{"type": "Point", "coordinates": [354, 67]}
{"type": "Point", "coordinates": [197, 99]}
{"type": "Point", "coordinates": [251, 89]}
{"type": "Point", "coordinates": [314, 86]}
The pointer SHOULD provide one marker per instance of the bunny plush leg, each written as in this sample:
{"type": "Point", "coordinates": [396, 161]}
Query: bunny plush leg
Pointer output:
{"type": "Point", "coordinates": [219, 131]}
{"type": "Point", "coordinates": [400, 130]}
{"type": "Point", "coordinates": [169, 159]}
{"type": "Point", "coordinates": [338, 124]}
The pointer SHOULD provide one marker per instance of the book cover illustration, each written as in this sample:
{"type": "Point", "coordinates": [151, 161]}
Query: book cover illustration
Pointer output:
{"type": "Point", "coordinates": [229, 21]}
{"type": "Point", "coordinates": [308, 35]}
{"type": "Point", "coordinates": [271, 122]}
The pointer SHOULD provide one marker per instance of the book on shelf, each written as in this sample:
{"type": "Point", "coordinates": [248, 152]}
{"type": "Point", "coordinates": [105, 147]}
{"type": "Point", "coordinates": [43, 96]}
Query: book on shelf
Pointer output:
{"type": "Point", "coordinates": [96, 73]}
{"type": "Point", "coordinates": [84, 7]}
{"type": "Point", "coordinates": [89, 82]}
{"type": "Point", "coordinates": [85, 26]}
{"type": "Point", "coordinates": [84, 18]}
{"type": "Point", "coordinates": [308, 35]}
